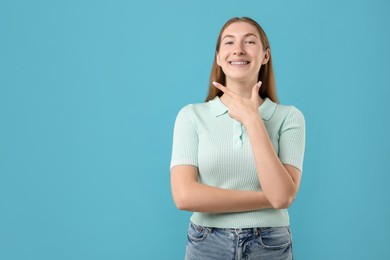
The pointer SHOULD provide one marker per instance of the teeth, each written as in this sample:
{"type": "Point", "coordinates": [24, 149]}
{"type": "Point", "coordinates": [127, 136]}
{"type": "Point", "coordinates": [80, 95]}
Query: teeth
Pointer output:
{"type": "Point", "coordinates": [239, 62]}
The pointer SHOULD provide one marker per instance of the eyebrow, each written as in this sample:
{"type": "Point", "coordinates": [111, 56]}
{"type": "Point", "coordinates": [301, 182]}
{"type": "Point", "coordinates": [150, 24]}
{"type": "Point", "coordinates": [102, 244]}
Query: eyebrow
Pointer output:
{"type": "Point", "coordinates": [246, 35]}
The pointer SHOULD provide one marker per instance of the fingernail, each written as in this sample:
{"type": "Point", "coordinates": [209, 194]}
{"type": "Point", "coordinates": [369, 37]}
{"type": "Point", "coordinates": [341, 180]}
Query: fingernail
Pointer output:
{"type": "Point", "coordinates": [259, 83]}
{"type": "Point", "coordinates": [215, 83]}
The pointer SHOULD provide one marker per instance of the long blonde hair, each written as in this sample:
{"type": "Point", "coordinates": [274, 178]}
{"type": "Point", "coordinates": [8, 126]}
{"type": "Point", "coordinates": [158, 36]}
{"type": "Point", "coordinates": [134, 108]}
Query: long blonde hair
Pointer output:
{"type": "Point", "coordinates": [266, 73]}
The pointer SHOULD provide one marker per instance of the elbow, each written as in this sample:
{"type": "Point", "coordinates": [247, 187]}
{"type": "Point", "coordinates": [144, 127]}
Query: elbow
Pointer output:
{"type": "Point", "coordinates": [282, 203]}
{"type": "Point", "coordinates": [282, 199]}
{"type": "Point", "coordinates": [183, 195]}
{"type": "Point", "coordinates": [182, 201]}
{"type": "Point", "coordinates": [181, 204]}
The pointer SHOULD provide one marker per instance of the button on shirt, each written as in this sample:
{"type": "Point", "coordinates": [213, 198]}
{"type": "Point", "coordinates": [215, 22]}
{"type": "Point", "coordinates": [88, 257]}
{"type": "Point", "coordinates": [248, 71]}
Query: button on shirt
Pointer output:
{"type": "Point", "coordinates": [206, 137]}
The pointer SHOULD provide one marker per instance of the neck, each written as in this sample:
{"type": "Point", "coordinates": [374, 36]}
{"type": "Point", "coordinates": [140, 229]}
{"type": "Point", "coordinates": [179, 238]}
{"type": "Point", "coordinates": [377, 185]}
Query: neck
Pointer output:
{"type": "Point", "coordinates": [242, 88]}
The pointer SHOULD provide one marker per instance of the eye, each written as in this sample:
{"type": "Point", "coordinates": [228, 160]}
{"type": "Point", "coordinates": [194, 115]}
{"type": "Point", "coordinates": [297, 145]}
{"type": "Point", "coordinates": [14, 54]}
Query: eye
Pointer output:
{"type": "Point", "coordinates": [228, 43]}
{"type": "Point", "coordinates": [250, 42]}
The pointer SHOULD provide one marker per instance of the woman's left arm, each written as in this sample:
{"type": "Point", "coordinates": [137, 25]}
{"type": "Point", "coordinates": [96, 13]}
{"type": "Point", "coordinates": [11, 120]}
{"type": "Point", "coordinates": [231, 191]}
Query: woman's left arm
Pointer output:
{"type": "Point", "coordinates": [279, 182]}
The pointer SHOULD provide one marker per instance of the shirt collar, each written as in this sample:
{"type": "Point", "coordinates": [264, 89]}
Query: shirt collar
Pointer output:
{"type": "Point", "coordinates": [266, 109]}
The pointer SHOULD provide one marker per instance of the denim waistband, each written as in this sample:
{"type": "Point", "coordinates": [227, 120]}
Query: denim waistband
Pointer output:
{"type": "Point", "coordinates": [254, 230]}
{"type": "Point", "coordinates": [239, 231]}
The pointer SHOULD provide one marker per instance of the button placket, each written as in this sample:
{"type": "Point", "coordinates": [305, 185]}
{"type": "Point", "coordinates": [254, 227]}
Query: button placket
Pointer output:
{"type": "Point", "coordinates": [237, 134]}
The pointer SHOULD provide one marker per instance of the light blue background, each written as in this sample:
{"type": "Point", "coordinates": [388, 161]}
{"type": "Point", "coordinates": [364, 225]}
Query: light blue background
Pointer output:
{"type": "Point", "coordinates": [89, 91]}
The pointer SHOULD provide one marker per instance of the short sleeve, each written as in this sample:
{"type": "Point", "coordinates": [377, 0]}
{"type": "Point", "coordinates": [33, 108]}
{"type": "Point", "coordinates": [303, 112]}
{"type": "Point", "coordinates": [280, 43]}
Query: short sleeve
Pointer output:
{"type": "Point", "coordinates": [292, 139]}
{"type": "Point", "coordinates": [185, 139]}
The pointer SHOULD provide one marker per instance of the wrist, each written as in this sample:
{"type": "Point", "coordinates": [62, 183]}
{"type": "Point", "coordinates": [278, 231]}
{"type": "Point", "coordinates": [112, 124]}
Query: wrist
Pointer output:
{"type": "Point", "coordinates": [252, 120]}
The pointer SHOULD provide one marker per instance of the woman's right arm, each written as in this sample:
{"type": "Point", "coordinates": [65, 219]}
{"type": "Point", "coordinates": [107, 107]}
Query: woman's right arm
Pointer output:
{"type": "Point", "coordinates": [190, 195]}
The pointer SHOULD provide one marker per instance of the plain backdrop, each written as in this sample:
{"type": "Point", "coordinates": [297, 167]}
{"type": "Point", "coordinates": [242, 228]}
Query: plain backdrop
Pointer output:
{"type": "Point", "coordinates": [89, 92]}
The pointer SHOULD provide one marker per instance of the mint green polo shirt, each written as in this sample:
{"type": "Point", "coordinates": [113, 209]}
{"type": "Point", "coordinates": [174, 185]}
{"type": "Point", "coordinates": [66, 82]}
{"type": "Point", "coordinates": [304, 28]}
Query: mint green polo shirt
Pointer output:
{"type": "Point", "coordinates": [206, 136]}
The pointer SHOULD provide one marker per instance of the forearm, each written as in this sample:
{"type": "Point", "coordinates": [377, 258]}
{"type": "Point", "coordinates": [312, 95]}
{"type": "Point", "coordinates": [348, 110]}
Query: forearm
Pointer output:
{"type": "Point", "coordinates": [202, 198]}
{"type": "Point", "coordinates": [276, 182]}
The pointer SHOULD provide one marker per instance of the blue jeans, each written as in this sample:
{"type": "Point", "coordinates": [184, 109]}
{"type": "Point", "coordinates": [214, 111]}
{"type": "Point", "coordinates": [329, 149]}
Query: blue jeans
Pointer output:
{"type": "Point", "coordinates": [204, 243]}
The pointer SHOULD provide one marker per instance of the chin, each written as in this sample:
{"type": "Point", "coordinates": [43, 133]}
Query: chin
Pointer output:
{"type": "Point", "coordinates": [239, 77]}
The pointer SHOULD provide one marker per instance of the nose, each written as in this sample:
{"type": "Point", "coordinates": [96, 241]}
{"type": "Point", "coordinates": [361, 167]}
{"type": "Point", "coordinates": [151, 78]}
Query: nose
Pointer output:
{"type": "Point", "coordinates": [239, 50]}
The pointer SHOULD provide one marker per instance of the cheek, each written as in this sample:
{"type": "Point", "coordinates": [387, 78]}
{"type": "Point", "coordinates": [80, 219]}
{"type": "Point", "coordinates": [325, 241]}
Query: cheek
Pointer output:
{"type": "Point", "coordinates": [221, 57]}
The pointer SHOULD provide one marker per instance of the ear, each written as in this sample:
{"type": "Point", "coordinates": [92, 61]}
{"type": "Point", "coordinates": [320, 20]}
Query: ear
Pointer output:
{"type": "Point", "coordinates": [217, 58]}
{"type": "Point", "coordinates": [267, 56]}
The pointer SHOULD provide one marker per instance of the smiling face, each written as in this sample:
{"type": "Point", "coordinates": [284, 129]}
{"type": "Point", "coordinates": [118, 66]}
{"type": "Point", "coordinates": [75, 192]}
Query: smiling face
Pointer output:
{"type": "Point", "coordinates": [241, 53]}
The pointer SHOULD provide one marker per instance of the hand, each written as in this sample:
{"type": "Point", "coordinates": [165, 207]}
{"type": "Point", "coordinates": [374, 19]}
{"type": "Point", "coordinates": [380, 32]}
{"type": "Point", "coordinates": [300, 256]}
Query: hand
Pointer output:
{"type": "Point", "coordinates": [239, 108]}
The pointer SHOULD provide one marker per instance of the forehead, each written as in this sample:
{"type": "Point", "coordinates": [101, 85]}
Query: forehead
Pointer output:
{"type": "Point", "coordinates": [239, 29]}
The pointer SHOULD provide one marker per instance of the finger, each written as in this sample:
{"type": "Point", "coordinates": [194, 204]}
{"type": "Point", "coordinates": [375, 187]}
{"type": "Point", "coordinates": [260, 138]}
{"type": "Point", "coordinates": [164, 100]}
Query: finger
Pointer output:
{"type": "Point", "coordinates": [224, 89]}
{"type": "Point", "coordinates": [255, 90]}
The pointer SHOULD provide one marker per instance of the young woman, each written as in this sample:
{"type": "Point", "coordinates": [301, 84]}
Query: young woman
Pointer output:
{"type": "Point", "coordinates": [237, 158]}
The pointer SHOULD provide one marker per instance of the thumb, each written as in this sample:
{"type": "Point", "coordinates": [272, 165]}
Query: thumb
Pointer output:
{"type": "Point", "coordinates": [255, 90]}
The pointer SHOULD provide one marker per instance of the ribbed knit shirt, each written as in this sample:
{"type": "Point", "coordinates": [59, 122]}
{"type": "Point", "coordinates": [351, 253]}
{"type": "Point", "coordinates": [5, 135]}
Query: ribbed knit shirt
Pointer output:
{"type": "Point", "coordinates": [206, 136]}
